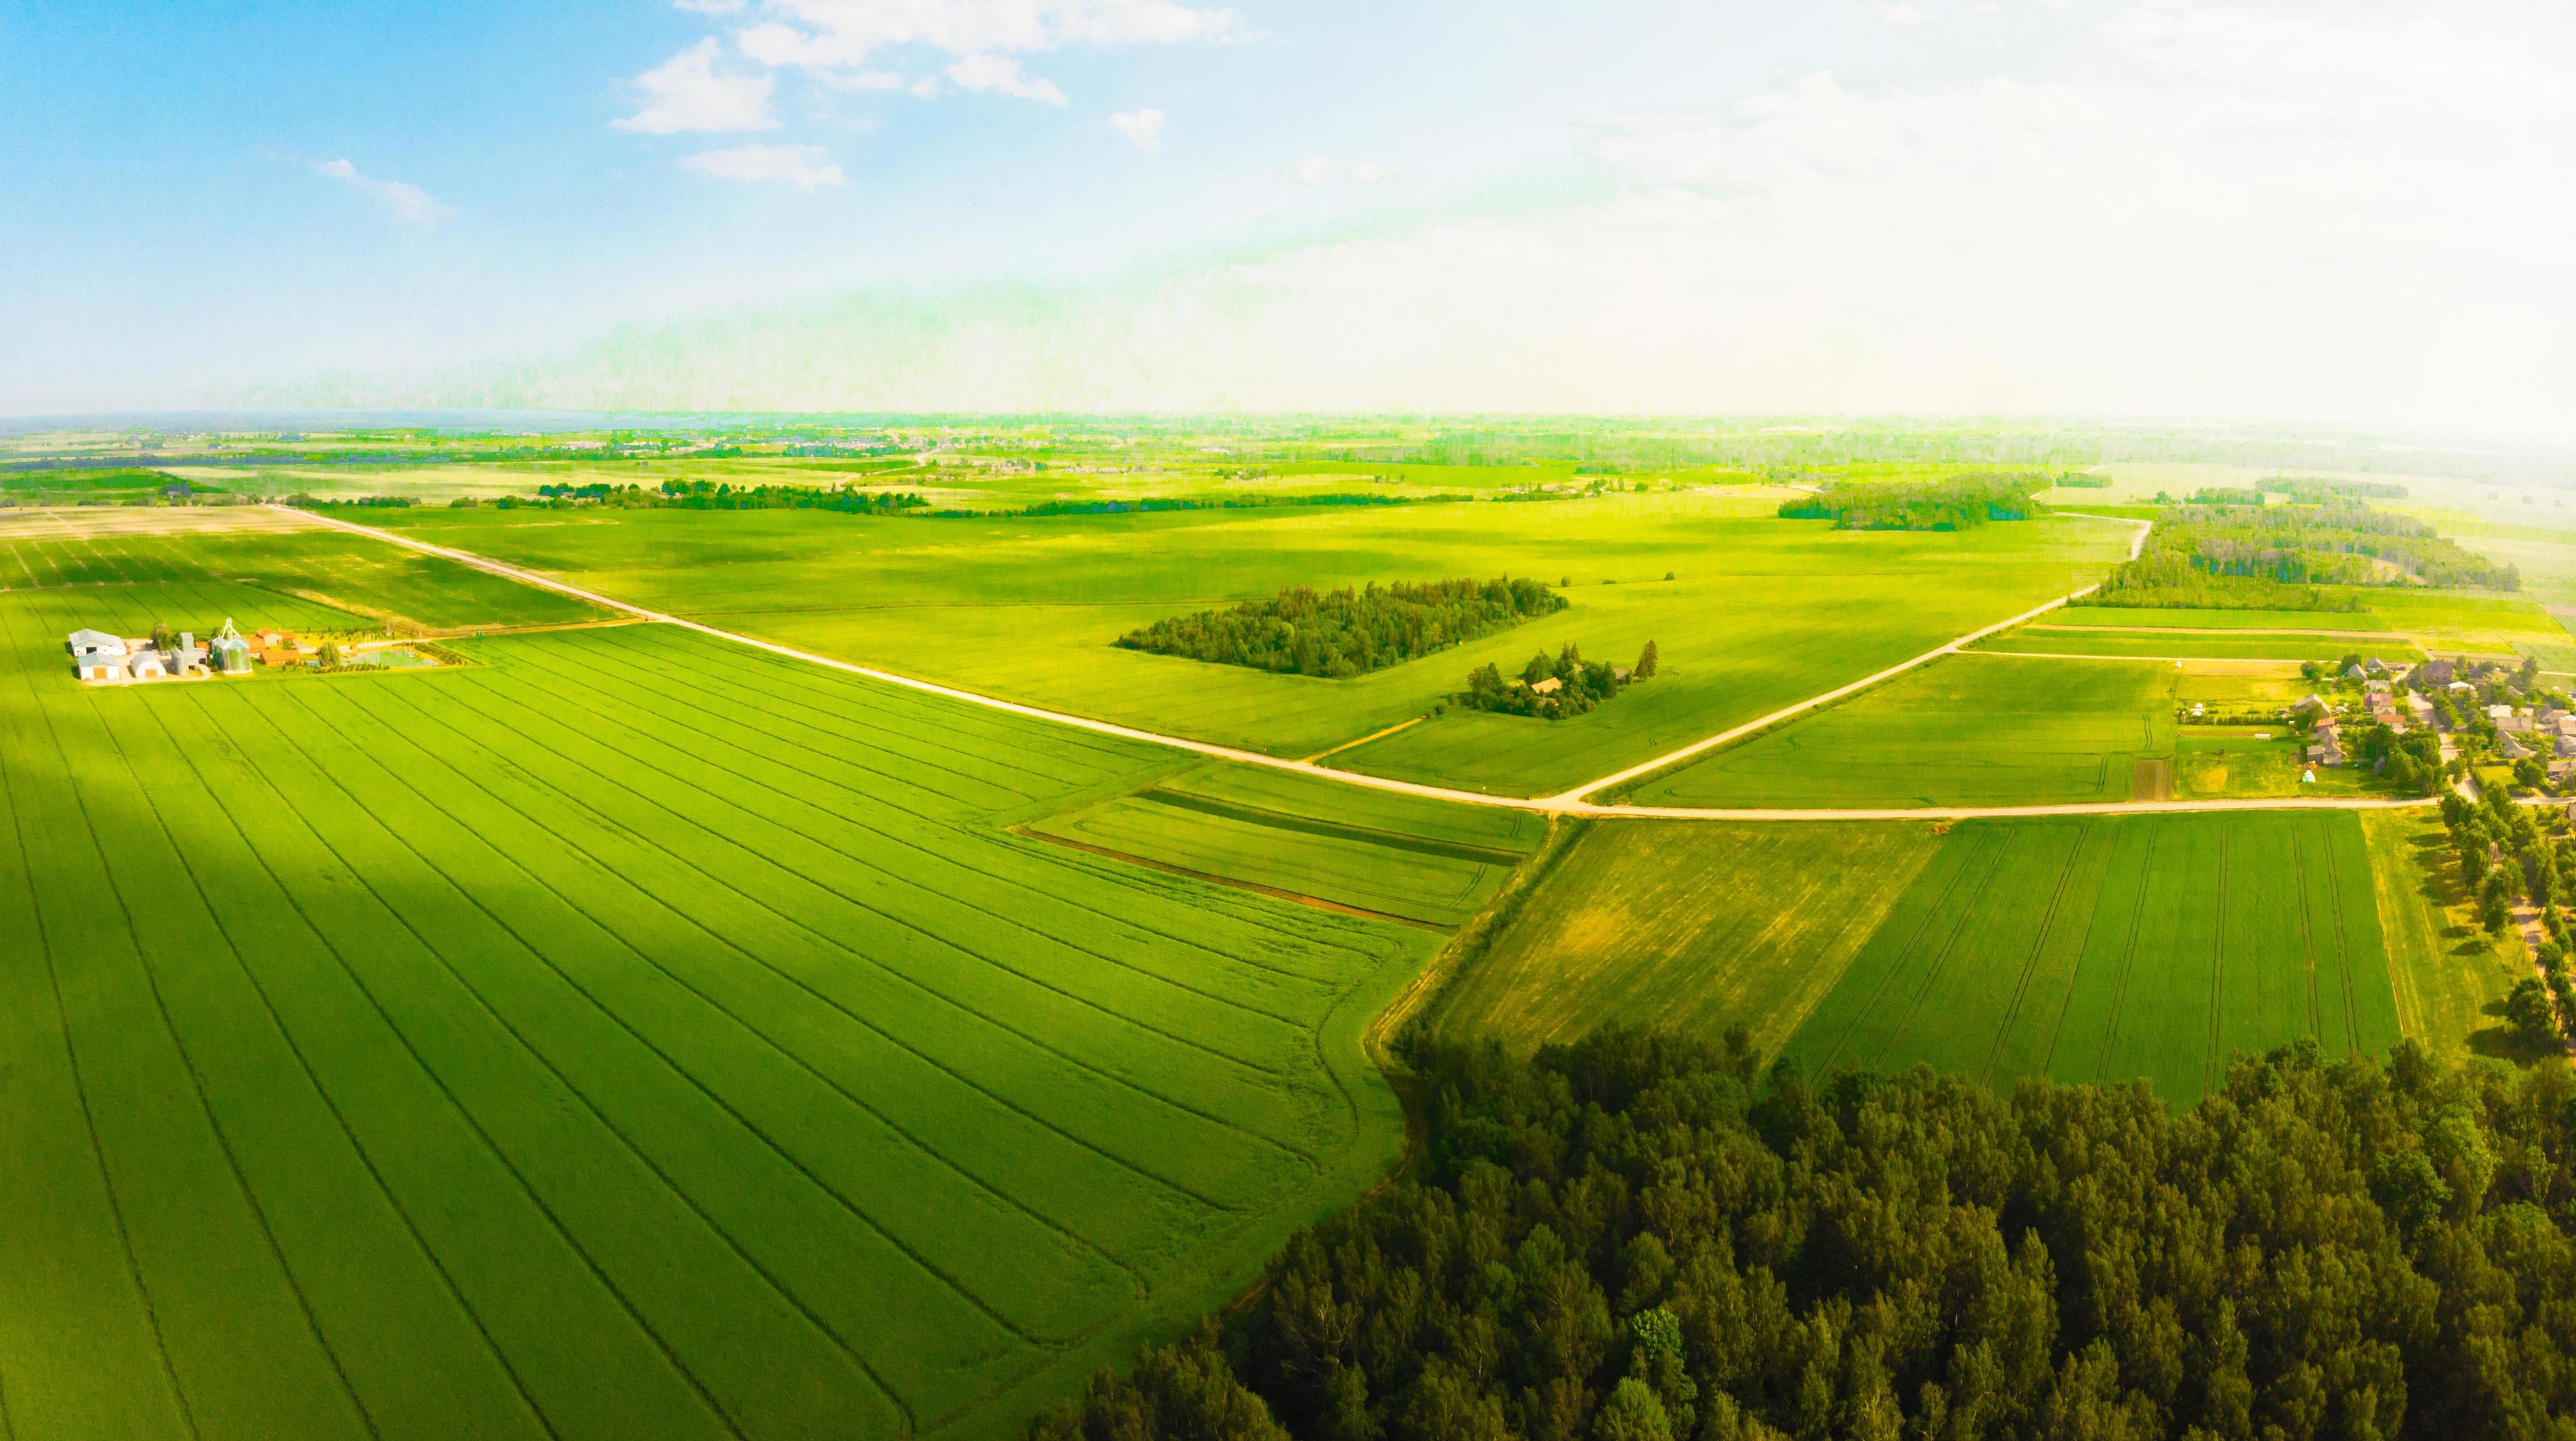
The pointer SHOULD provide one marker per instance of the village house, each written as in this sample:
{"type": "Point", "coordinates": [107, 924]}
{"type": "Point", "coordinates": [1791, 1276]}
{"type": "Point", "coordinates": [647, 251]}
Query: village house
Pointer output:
{"type": "Point", "coordinates": [1549, 686]}
{"type": "Point", "coordinates": [2511, 749]}
{"type": "Point", "coordinates": [2560, 770]}
{"type": "Point", "coordinates": [2326, 747]}
{"type": "Point", "coordinates": [2430, 674]}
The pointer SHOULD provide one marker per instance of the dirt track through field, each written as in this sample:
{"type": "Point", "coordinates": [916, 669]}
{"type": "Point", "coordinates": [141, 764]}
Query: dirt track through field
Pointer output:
{"type": "Point", "coordinates": [1570, 802]}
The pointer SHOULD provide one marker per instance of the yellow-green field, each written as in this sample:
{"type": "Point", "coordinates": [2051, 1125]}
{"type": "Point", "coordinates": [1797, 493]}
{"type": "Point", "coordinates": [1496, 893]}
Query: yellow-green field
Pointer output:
{"type": "Point", "coordinates": [1689, 924]}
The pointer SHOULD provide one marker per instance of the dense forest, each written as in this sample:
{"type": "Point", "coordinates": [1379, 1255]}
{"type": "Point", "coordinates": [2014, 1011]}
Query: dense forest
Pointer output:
{"type": "Point", "coordinates": [1579, 684]}
{"type": "Point", "coordinates": [1957, 503]}
{"type": "Point", "coordinates": [2277, 557]}
{"type": "Point", "coordinates": [1642, 1238]}
{"type": "Point", "coordinates": [1348, 632]}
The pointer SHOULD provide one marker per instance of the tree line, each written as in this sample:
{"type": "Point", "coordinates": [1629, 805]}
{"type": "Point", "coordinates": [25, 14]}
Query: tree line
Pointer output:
{"type": "Point", "coordinates": [1957, 503]}
{"type": "Point", "coordinates": [1642, 1237]}
{"type": "Point", "coordinates": [1348, 632]}
{"type": "Point", "coordinates": [2275, 557]}
{"type": "Point", "coordinates": [1580, 684]}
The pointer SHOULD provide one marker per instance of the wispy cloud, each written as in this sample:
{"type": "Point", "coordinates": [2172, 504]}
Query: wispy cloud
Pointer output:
{"type": "Point", "coordinates": [401, 199]}
{"type": "Point", "coordinates": [804, 166]}
{"type": "Point", "coordinates": [688, 93]}
{"type": "Point", "coordinates": [709, 7]}
{"type": "Point", "coordinates": [1313, 170]}
{"type": "Point", "coordinates": [1143, 128]}
{"type": "Point", "coordinates": [846, 32]}
{"type": "Point", "coordinates": [1003, 75]}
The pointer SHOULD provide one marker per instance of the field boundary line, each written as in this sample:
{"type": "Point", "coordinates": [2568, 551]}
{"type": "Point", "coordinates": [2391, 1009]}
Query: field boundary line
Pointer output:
{"type": "Point", "coordinates": [1564, 803]}
{"type": "Point", "coordinates": [1212, 878]}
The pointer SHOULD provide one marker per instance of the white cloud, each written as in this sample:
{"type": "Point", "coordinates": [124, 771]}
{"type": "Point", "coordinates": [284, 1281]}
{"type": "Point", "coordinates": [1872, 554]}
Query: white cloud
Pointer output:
{"type": "Point", "coordinates": [1313, 170]}
{"type": "Point", "coordinates": [400, 198]}
{"type": "Point", "coordinates": [709, 7]}
{"type": "Point", "coordinates": [804, 166]}
{"type": "Point", "coordinates": [845, 32]}
{"type": "Point", "coordinates": [2197, 209]}
{"type": "Point", "coordinates": [1143, 128]}
{"type": "Point", "coordinates": [1895, 12]}
{"type": "Point", "coordinates": [1365, 173]}
{"type": "Point", "coordinates": [686, 93]}
{"type": "Point", "coordinates": [1004, 75]}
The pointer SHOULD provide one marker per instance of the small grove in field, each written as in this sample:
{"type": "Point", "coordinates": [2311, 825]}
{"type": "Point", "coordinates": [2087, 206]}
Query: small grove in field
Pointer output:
{"type": "Point", "coordinates": [1351, 631]}
{"type": "Point", "coordinates": [1569, 685]}
{"type": "Point", "coordinates": [1643, 1237]}
{"type": "Point", "coordinates": [1953, 503]}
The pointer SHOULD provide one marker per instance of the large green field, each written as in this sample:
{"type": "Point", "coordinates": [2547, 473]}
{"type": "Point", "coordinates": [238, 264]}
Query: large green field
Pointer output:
{"type": "Point", "coordinates": [1968, 730]}
{"type": "Point", "coordinates": [2107, 948]}
{"type": "Point", "coordinates": [628, 1035]}
{"type": "Point", "coordinates": [1759, 612]}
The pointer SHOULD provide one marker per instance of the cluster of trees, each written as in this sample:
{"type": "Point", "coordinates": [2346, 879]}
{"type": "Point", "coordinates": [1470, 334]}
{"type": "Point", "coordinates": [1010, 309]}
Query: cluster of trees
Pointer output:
{"type": "Point", "coordinates": [1580, 684]}
{"type": "Point", "coordinates": [1348, 632]}
{"type": "Point", "coordinates": [715, 495]}
{"type": "Point", "coordinates": [2504, 858]}
{"type": "Point", "coordinates": [2274, 557]}
{"type": "Point", "coordinates": [1964, 500]}
{"type": "Point", "coordinates": [1643, 1238]}
{"type": "Point", "coordinates": [1154, 503]}
{"type": "Point", "coordinates": [2227, 495]}
{"type": "Point", "coordinates": [2300, 487]}
{"type": "Point", "coordinates": [2411, 762]}
{"type": "Point", "coordinates": [2074, 481]}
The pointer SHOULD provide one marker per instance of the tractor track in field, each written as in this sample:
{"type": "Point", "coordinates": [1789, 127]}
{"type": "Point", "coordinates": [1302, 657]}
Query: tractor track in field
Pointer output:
{"type": "Point", "coordinates": [1572, 802]}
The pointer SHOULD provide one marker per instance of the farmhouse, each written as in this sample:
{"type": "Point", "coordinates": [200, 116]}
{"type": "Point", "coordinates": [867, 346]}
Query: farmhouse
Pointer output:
{"type": "Point", "coordinates": [2511, 749]}
{"type": "Point", "coordinates": [1549, 686]}
{"type": "Point", "coordinates": [2431, 673]}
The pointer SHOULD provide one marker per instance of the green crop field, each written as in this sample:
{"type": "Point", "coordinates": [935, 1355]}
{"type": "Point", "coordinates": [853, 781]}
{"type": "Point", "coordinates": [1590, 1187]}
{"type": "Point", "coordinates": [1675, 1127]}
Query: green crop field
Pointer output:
{"type": "Point", "coordinates": [2108, 948]}
{"type": "Point", "coordinates": [1968, 730]}
{"type": "Point", "coordinates": [1699, 925]}
{"type": "Point", "coordinates": [627, 1035]}
{"type": "Point", "coordinates": [2196, 645]}
{"type": "Point", "coordinates": [1760, 612]}
{"type": "Point", "coordinates": [347, 572]}
{"type": "Point", "coordinates": [2123, 617]}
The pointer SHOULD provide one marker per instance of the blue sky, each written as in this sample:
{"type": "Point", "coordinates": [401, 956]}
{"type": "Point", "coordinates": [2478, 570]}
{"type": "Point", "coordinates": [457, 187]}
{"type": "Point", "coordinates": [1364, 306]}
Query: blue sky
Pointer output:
{"type": "Point", "coordinates": [2149, 206]}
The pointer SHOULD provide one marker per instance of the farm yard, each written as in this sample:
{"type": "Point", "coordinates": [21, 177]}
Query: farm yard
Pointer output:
{"type": "Point", "coordinates": [1757, 613]}
{"type": "Point", "coordinates": [626, 1034]}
